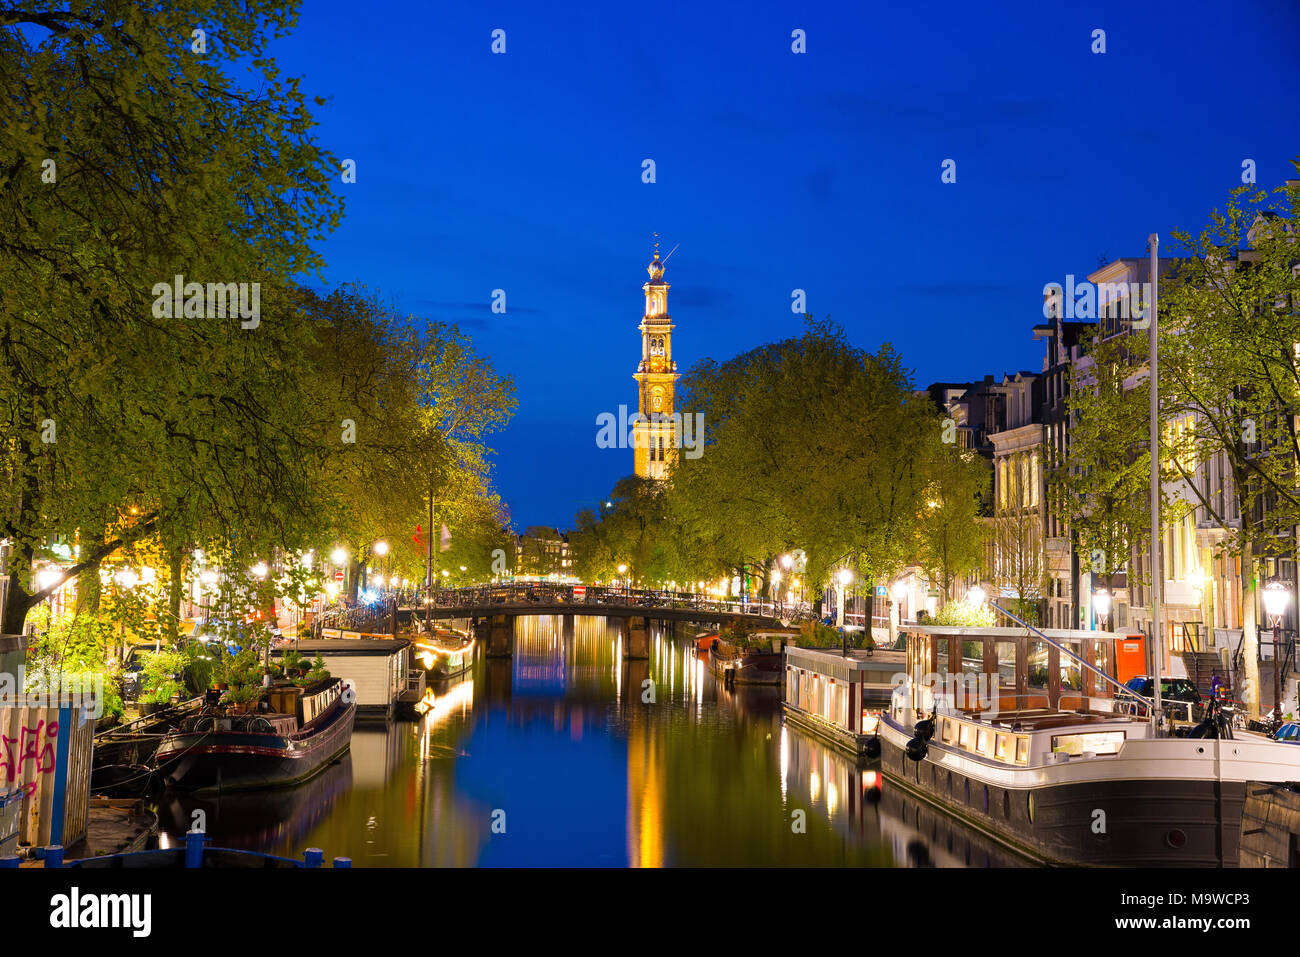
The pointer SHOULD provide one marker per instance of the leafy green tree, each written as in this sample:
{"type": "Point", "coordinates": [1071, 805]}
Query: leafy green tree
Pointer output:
{"type": "Point", "coordinates": [1229, 317]}
{"type": "Point", "coordinates": [128, 156]}
{"type": "Point", "coordinates": [1103, 483]}
{"type": "Point", "coordinates": [950, 531]}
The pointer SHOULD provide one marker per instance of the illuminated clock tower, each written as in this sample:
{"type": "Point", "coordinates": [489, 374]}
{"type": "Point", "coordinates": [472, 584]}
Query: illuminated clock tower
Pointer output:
{"type": "Point", "coordinates": [654, 438]}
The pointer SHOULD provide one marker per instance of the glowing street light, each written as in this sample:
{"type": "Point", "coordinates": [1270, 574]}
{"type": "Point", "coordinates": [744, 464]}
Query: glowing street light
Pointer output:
{"type": "Point", "coordinates": [259, 570]}
{"type": "Point", "coordinates": [1276, 597]}
{"type": "Point", "coordinates": [1101, 599]}
{"type": "Point", "coordinates": [127, 578]}
{"type": "Point", "coordinates": [976, 596]}
{"type": "Point", "coordinates": [339, 556]}
{"type": "Point", "coordinates": [381, 547]}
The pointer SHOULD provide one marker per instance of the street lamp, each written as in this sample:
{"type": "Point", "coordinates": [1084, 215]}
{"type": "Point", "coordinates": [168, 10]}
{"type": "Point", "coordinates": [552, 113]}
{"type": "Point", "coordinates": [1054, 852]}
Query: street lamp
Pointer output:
{"type": "Point", "coordinates": [339, 556]}
{"type": "Point", "coordinates": [845, 576]}
{"type": "Point", "coordinates": [380, 548]}
{"type": "Point", "coordinates": [899, 591]}
{"type": "Point", "coordinates": [1101, 605]}
{"type": "Point", "coordinates": [976, 596]}
{"type": "Point", "coordinates": [622, 570]}
{"type": "Point", "coordinates": [1276, 598]}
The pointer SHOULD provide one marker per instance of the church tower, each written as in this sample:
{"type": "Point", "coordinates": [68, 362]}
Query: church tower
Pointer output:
{"type": "Point", "coordinates": [654, 445]}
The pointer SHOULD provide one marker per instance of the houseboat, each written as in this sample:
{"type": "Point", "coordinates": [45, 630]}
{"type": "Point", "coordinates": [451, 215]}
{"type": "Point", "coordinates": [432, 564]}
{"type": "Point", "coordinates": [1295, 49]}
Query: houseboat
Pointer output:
{"type": "Point", "coordinates": [838, 698]}
{"type": "Point", "coordinates": [757, 664]}
{"type": "Point", "coordinates": [378, 669]}
{"type": "Point", "coordinates": [443, 654]}
{"type": "Point", "coordinates": [216, 751]}
{"type": "Point", "coordinates": [1013, 731]}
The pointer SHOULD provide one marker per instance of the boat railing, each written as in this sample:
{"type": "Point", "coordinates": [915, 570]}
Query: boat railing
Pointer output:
{"type": "Point", "coordinates": [145, 719]}
{"type": "Point", "coordinates": [1123, 689]}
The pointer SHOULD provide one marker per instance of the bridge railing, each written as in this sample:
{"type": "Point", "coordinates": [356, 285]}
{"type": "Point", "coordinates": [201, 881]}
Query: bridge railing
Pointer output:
{"type": "Point", "coordinates": [544, 593]}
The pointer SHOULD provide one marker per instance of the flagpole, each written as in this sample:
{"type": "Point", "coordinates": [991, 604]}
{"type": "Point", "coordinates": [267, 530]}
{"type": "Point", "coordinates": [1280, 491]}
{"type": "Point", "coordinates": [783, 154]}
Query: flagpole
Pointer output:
{"type": "Point", "coordinates": [1157, 573]}
{"type": "Point", "coordinates": [428, 569]}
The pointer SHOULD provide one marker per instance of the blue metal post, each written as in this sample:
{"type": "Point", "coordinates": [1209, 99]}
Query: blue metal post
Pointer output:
{"type": "Point", "coordinates": [12, 861]}
{"type": "Point", "coordinates": [54, 855]}
{"type": "Point", "coordinates": [314, 857]}
{"type": "Point", "coordinates": [194, 849]}
{"type": "Point", "coordinates": [338, 862]}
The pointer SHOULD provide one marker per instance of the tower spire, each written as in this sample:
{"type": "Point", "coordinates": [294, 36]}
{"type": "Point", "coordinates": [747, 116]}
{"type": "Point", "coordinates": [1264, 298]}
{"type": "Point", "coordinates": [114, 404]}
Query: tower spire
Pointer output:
{"type": "Point", "coordinates": [655, 439]}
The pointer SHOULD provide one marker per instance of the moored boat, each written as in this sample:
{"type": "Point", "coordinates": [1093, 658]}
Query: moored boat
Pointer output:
{"type": "Point", "coordinates": [1054, 772]}
{"type": "Point", "coordinates": [445, 653]}
{"type": "Point", "coordinates": [215, 751]}
{"type": "Point", "coordinates": [747, 665]}
{"type": "Point", "coordinates": [703, 642]}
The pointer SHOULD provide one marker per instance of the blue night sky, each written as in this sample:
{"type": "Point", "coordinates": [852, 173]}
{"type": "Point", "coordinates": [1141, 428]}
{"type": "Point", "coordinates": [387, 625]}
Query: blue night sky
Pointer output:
{"type": "Point", "coordinates": [775, 171]}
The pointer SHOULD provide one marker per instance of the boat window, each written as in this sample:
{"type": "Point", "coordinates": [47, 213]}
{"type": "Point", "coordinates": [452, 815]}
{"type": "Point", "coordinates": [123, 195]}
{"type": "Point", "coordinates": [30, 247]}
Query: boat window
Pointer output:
{"type": "Point", "coordinates": [1037, 664]}
{"type": "Point", "coordinates": [963, 736]}
{"type": "Point", "coordinates": [947, 733]}
{"type": "Point", "coordinates": [1006, 651]}
{"type": "Point", "coordinates": [982, 742]}
{"type": "Point", "coordinates": [1101, 659]}
{"type": "Point", "coordinates": [1000, 750]}
{"type": "Point", "coordinates": [1071, 672]}
{"type": "Point", "coordinates": [1096, 742]}
{"type": "Point", "coordinates": [1022, 749]}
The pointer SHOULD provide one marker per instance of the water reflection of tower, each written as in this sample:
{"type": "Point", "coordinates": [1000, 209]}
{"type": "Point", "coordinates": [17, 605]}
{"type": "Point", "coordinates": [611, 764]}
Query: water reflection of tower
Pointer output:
{"type": "Point", "coordinates": [645, 787]}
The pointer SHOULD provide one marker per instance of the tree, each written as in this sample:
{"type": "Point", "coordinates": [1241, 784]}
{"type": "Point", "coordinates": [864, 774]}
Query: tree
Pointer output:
{"type": "Point", "coordinates": [128, 158]}
{"type": "Point", "coordinates": [1101, 486]}
{"type": "Point", "coordinates": [809, 443]}
{"type": "Point", "coordinates": [1230, 381]}
{"type": "Point", "coordinates": [950, 532]}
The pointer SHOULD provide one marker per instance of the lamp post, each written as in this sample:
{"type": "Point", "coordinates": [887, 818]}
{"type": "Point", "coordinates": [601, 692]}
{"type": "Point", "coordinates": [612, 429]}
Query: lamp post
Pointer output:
{"type": "Point", "coordinates": [381, 549]}
{"type": "Point", "coordinates": [845, 576]}
{"type": "Point", "coordinates": [1276, 598]}
{"type": "Point", "coordinates": [622, 571]}
{"type": "Point", "coordinates": [1101, 605]}
{"type": "Point", "coordinates": [899, 592]}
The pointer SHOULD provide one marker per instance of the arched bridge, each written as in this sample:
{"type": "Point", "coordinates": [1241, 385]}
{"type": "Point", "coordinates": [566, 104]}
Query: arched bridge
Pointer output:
{"type": "Point", "coordinates": [493, 610]}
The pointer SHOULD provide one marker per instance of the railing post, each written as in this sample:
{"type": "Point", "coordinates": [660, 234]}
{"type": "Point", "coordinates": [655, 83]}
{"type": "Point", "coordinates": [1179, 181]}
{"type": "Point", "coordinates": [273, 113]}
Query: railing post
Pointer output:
{"type": "Point", "coordinates": [54, 855]}
{"type": "Point", "coordinates": [313, 857]}
{"type": "Point", "coordinates": [343, 862]}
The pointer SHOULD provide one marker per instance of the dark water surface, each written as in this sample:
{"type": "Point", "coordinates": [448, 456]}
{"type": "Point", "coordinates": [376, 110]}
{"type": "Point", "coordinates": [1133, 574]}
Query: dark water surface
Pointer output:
{"type": "Point", "coordinates": [555, 758]}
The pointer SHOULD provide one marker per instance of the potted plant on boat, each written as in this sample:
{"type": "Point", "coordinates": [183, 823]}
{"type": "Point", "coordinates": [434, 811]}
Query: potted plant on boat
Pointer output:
{"type": "Point", "coordinates": [315, 672]}
{"type": "Point", "coordinates": [161, 679]}
{"type": "Point", "coordinates": [244, 698]}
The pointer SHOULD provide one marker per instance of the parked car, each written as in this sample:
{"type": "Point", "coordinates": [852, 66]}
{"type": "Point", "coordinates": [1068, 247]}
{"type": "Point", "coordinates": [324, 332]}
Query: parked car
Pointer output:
{"type": "Point", "coordinates": [1289, 732]}
{"type": "Point", "coordinates": [132, 670]}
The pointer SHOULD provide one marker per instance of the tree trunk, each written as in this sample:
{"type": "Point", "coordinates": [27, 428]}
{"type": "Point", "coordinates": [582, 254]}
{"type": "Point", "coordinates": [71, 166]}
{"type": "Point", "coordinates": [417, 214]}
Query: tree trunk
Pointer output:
{"type": "Point", "coordinates": [1249, 689]}
{"type": "Point", "coordinates": [869, 610]}
{"type": "Point", "coordinates": [88, 587]}
{"type": "Point", "coordinates": [15, 612]}
{"type": "Point", "coordinates": [175, 566]}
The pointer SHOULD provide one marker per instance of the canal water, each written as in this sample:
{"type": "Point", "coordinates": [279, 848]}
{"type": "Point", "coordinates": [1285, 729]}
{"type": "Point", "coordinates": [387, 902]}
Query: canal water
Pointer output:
{"type": "Point", "coordinates": [567, 755]}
